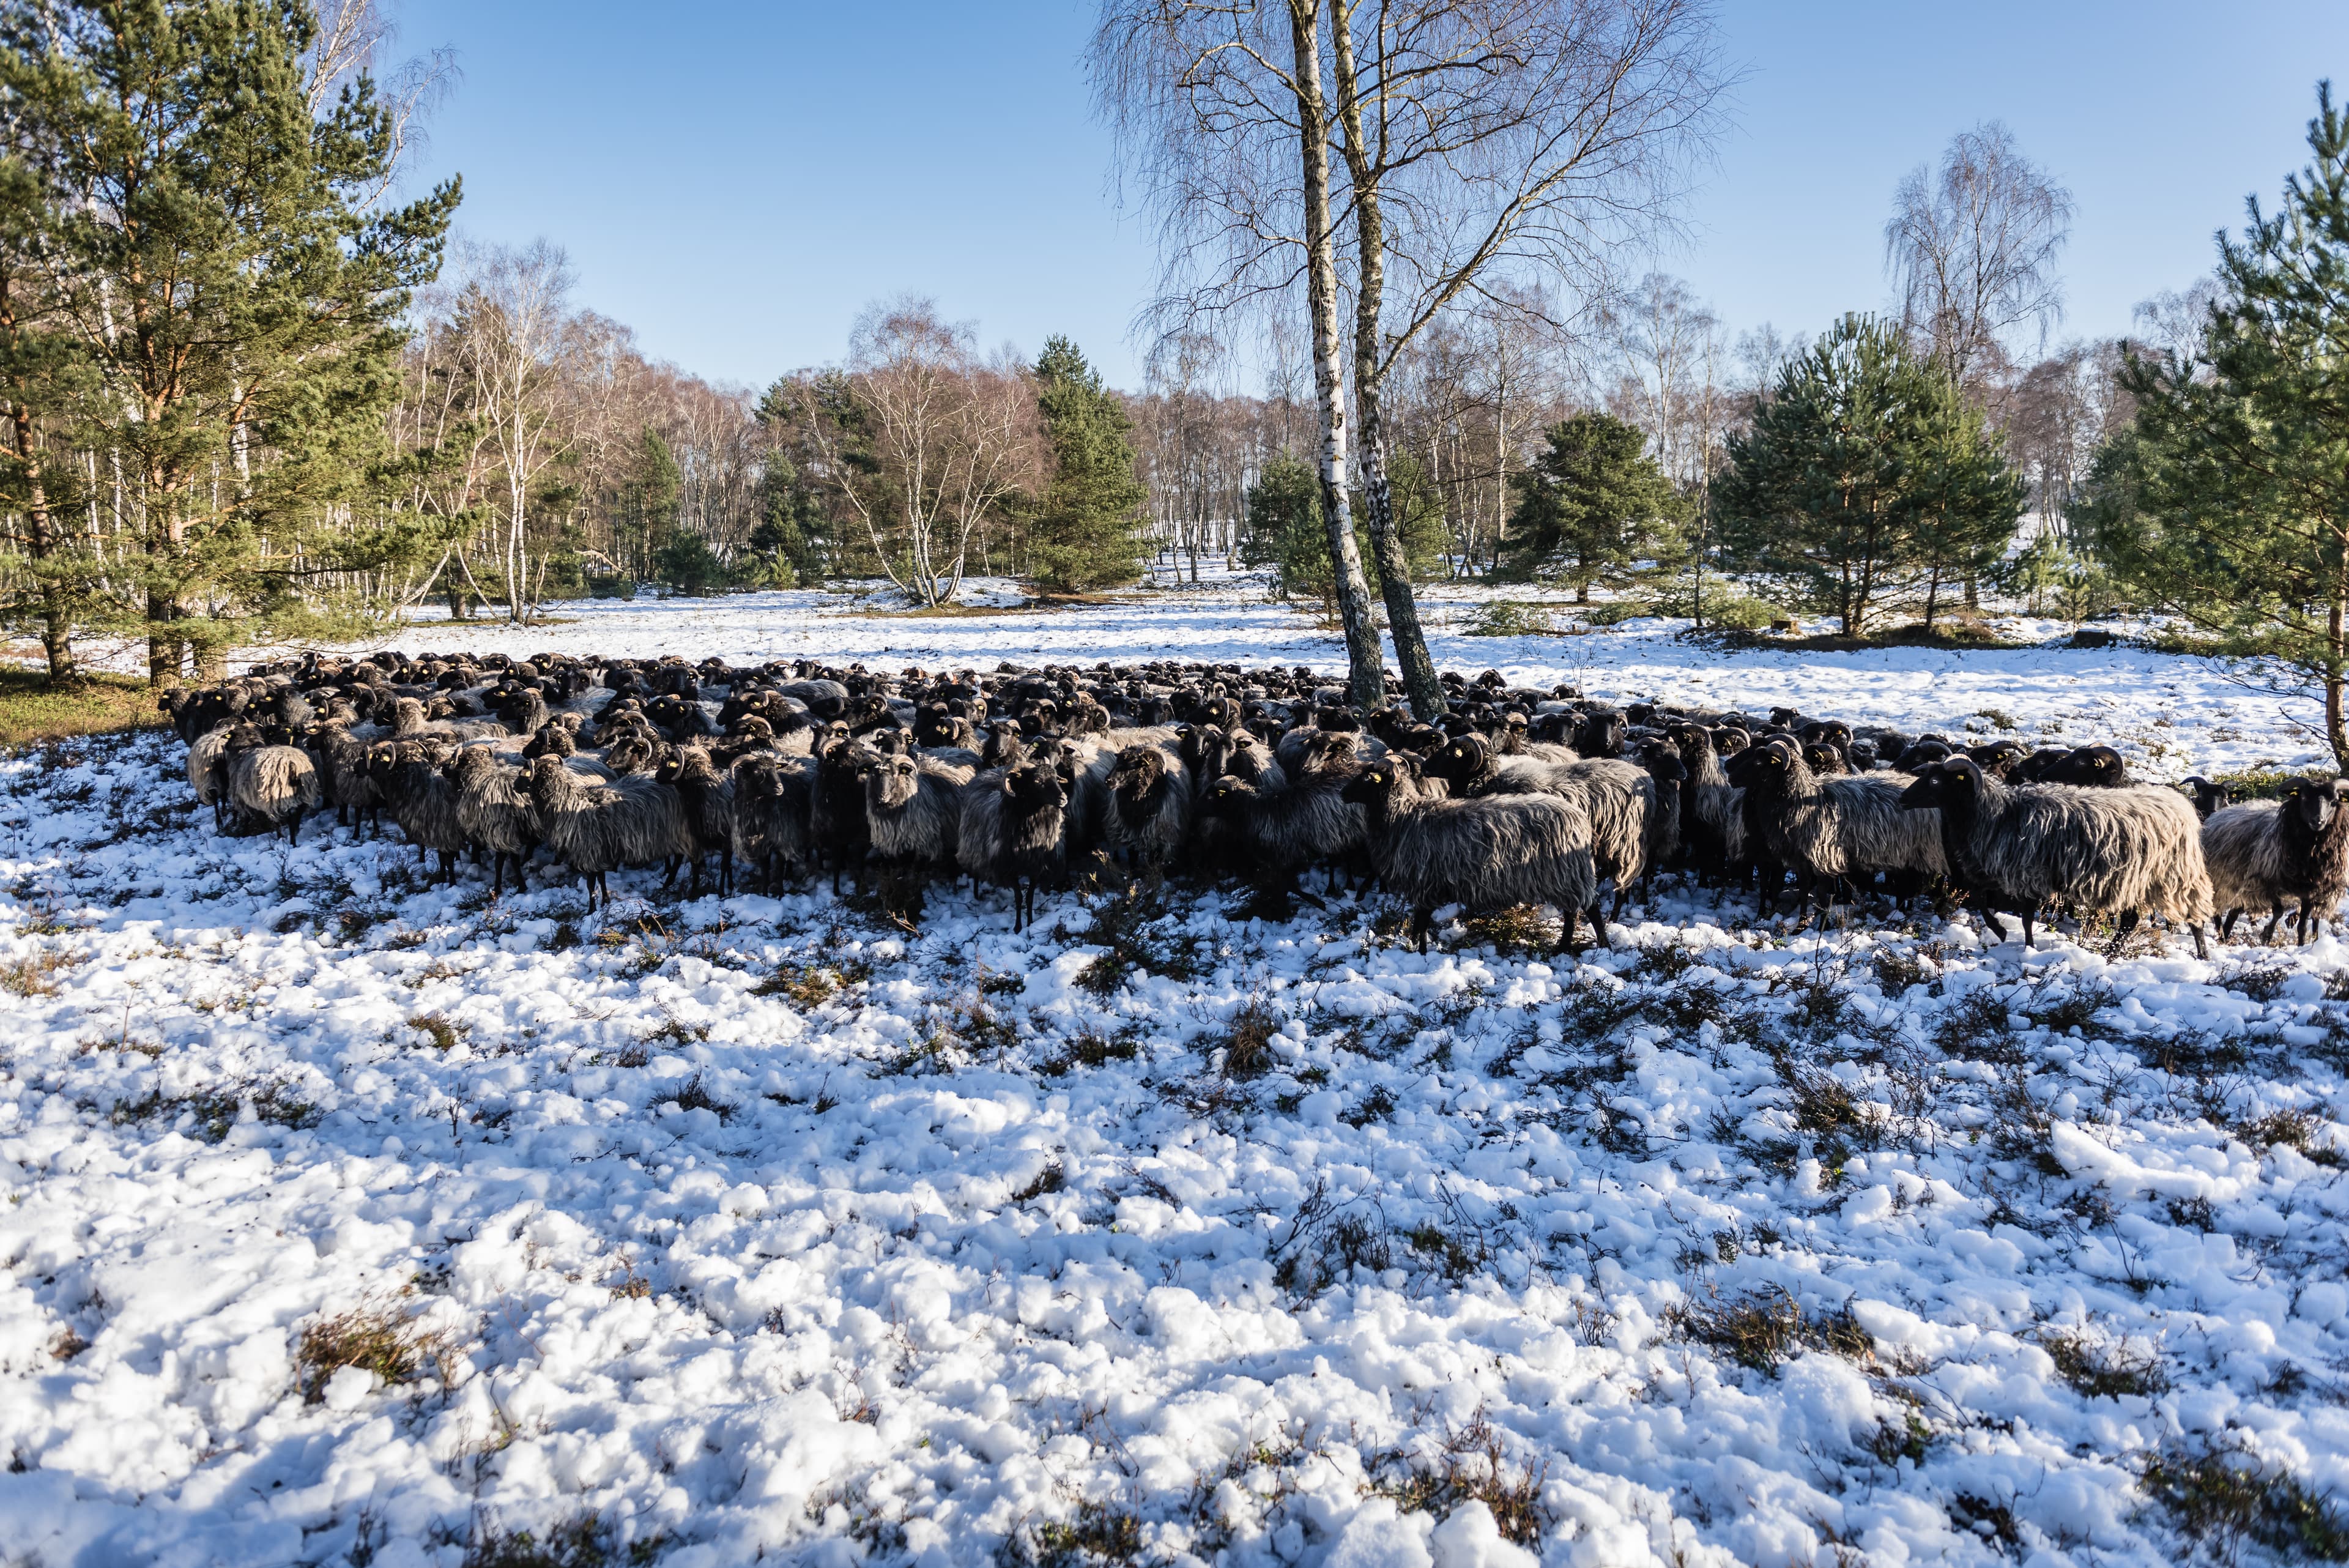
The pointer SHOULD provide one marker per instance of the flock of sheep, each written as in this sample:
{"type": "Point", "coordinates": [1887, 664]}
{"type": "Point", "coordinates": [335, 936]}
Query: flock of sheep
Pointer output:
{"type": "Point", "coordinates": [1026, 778]}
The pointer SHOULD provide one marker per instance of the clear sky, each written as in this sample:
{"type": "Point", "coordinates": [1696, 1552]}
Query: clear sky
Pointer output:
{"type": "Point", "coordinates": [736, 180]}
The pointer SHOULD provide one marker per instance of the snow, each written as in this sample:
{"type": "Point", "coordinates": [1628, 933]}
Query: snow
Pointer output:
{"type": "Point", "coordinates": [763, 1226]}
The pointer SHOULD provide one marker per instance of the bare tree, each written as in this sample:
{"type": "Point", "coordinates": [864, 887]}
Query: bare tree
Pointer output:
{"type": "Point", "coordinates": [350, 35]}
{"type": "Point", "coordinates": [1484, 140]}
{"type": "Point", "coordinates": [1972, 247]}
{"type": "Point", "coordinates": [921, 441]}
{"type": "Point", "coordinates": [510, 324]}
{"type": "Point", "coordinates": [1221, 112]}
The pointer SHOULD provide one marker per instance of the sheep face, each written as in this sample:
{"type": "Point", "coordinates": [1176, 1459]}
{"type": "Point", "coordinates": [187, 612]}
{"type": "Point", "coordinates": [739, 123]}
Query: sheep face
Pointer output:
{"type": "Point", "coordinates": [1035, 789]}
{"type": "Point", "coordinates": [2314, 801]}
{"type": "Point", "coordinates": [891, 783]}
{"type": "Point", "coordinates": [1462, 757]}
{"type": "Point", "coordinates": [1951, 784]}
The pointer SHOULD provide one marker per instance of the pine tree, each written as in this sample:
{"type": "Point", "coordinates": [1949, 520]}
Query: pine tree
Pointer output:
{"type": "Point", "coordinates": [1082, 531]}
{"type": "Point", "coordinates": [2227, 502]}
{"type": "Point", "coordinates": [236, 292]}
{"type": "Point", "coordinates": [648, 498]}
{"type": "Point", "coordinates": [1285, 530]}
{"type": "Point", "coordinates": [1591, 505]}
{"type": "Point", "coordinates": [1866, 475]}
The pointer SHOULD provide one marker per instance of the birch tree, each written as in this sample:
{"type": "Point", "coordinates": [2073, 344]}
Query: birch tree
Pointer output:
{"type": "Point", "coordinates": [1223, 120]}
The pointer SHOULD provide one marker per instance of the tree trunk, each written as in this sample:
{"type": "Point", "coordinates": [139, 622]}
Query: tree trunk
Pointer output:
{"type": "Point", "coordinates": [1419, 683]}
{"type": "Point", "coordinates": [2336, 671]}
{"type": "Point", "coordinates": [1368, 682]}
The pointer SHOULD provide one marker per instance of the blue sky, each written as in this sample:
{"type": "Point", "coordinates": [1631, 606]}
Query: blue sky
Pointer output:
{"type": "Point", "coordinates": [736, 180]}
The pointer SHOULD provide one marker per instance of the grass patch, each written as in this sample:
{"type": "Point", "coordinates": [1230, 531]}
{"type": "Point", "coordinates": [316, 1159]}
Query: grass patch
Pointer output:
{"type": "Point", "coordinates": [696, 1096]}
{"type": "Point", "coordinates": [1121, 928]}
{"type": "Point", "coordinates": [1090, 1049]}
{"type": "Point", "coordinates": [2222, 1496]}
{"type": "Point", "coordinates": [583, 1541]}
{"type": "Point", "coordinates": [1051, 1178]}
{"type": "Point", "coordinates": [1519, 929]}
{"type": "Point", "coordinates": [440, 1029]}
{"type": "Point", "coordinates": [1765, 1330]}
{"type": "Point", "coordinates": [2099, 1369]}
{"type": "Point", "coordinates": [34, 975]}
{"type": "Point", "coordinates": [2299, 1130]}
{"type": "Point", "coordinates": [377, 1337]}
{"type": "Point", "coordinates": [1099, 1535]}
{"type": "Point", "coordinates": [810, 985]}
{"type": "Point", "coordinates": [33, 712]}
{"type": "Point", "coordinates": [1247, 1049]}
{"type": "Point", "coordinates": [1468, 1467]}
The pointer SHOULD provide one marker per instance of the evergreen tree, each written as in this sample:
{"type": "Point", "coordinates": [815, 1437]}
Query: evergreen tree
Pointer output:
{"type": "Point", "coordinates": [648, 498]}
{"type": "Point", "coordinates": [1285, 532]}
{"type": "Point", "coordinates": [235, 293]}
{"type": "Point", "coordinates": [2227, 502]}
{"type": "Point", "coordinates": [785, 535]}
{"type": "Point", "coordinates": [1082, 531]}
{"type": "Point", "coordinates": [1965, 500]}
{"type": "Point", "coordinates": [42, 375]}
{"type": "Point", "coordinates": [1866, 475]}
{"type": "Point", "coordinates": [1591, 505]}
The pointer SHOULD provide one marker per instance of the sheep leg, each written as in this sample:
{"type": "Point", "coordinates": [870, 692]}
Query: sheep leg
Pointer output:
{"type": "Point", "coordinates": [1423, 923]}
{"type": "Point", "coordinates": [2127, 924]}
{"type": "Point", "coordinates": [1598, 925]}
{"type": "Point", "coordinates": [2227, 925]}
{"type": "Point", "coordinates": [2200, 950]}
{"type": "Point", "coordinates": [2274, 918]}
{"type": "Point", "coordinates": [294, 830]}
{"type": "Point", "coordinates": [1569, 928]}
{"type": "Point", "coordinates": [2027, 942]}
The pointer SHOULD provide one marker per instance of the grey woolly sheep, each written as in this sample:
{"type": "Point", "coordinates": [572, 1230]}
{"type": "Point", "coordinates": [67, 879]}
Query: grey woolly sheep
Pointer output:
{"type": "Point", "coordinates": [1490, 853]}
{"type": "Point", "coordinates": [268, 784]}
{"type": "Point", "coordinates": [342, 770]}
{"type": "Point", "coordinates": [408, 722]}
{"type": "Point", "coordinates": [1619, 798]}
{"type": "Point", "coordinates": [208, 770]}
{"type": "Point", "coordinates": [1014, 830]}
{"type": "Point", "coordinates": [1834, 831]}
{"type": "Point", "coordinates": [422, 800]}
{"type": "Point", "coordinates": [2106, 851]}
{"type": "Point", "coordinates": [709, 814]}
{"type": "Point", "coordinates": [595, 828]}
{"type": "Point", "coordinates": [772, 796]}
{"type": "Point", "coordinates": [1146, 809]}
{"type": "Point", "coordinates": [494, 808]}
{"type": "Point", "coordinates": [912, 812]}
{"type": "Point", "coordinates": [2267, 854]}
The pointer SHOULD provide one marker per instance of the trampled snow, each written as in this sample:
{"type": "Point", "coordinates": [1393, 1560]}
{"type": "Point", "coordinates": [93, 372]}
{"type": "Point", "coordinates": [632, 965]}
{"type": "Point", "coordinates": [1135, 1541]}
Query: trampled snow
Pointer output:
{"type": "Point", "coordinates": [762, 1226]}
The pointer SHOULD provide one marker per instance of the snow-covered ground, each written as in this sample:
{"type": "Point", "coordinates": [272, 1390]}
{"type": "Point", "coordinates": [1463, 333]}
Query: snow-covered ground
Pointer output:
{"type": "Point", "coordinates": [706, 1232]}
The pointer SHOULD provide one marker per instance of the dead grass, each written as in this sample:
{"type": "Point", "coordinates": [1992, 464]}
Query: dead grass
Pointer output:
{"type": "Point", "coordinates": [1091, 1049]}
{"type": "Point", "coordinates": [443, 1031]}
{"type": "Point", "coordinates": [808, 985]}
{"type": "Point", "coordinates": [1764, 1330]}
{"type": "Point", "coordinates": [1469, 1467]}
{"type": "Point", "coordinates": [2299, 1130]}
{"type": "Point", "coordinates": [2222, 1497]}
{"type": "Point", "coordinates": [584, 1540]}
{"type": "Point", "coordinates": [380, 1337]}
{"type": "Point", "coordinates": [1100, 1536]}
{"type": "Point", "coordinates": [2100, 1368]}
{"type": "Point", "coordinates": [35, 974]}
{"type": "Point", "coordinates": [1248, 1047]}
{"type": "Point", "coordinates": [33, 713]}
